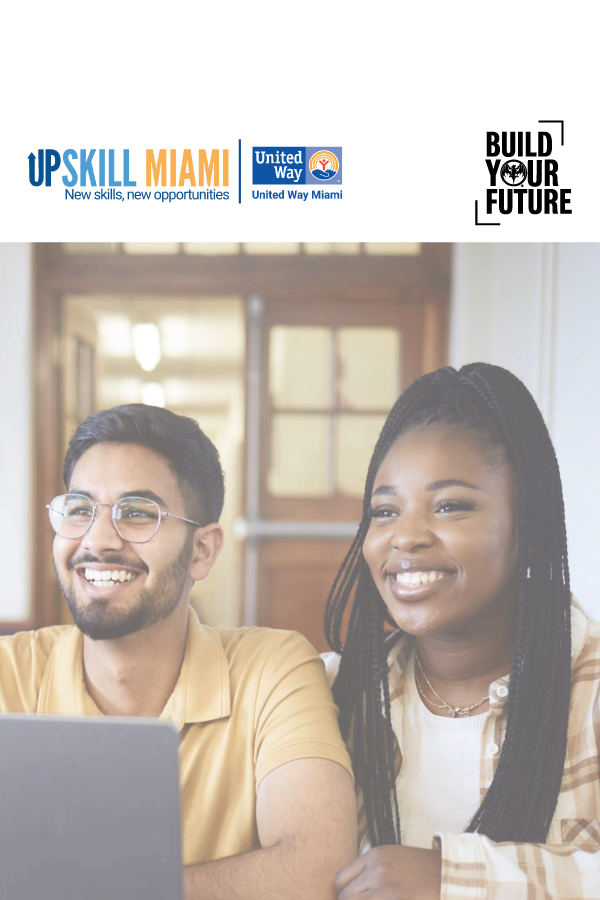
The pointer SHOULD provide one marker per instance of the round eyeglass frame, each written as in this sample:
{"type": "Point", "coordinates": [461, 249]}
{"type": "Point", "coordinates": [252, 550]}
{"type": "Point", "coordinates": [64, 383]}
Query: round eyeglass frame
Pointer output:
{"type": "Point", "coordinates": [162, 514]}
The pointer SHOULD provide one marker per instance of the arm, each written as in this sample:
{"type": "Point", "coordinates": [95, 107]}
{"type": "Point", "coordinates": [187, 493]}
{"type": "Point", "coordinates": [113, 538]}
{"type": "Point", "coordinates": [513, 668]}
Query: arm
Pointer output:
{"type": "Point", "coordinates": [306, 818]}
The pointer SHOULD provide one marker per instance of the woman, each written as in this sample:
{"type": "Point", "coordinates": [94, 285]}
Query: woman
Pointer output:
{"type": "Point", "coordinates": [468, 683]}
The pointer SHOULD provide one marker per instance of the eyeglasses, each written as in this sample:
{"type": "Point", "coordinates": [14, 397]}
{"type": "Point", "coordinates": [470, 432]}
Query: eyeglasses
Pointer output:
{"type": "Point", "coordinates": [136, 519]}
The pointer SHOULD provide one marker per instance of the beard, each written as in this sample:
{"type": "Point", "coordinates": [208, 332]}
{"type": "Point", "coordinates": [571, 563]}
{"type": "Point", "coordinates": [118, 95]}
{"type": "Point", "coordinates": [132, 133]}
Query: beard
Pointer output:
{"type": "Point", "coordinates": [104, 620]}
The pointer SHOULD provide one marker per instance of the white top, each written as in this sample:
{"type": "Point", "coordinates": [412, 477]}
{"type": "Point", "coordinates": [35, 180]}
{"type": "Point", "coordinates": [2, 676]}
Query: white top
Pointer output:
{"type": "Point", "coordinates": [438, 785]}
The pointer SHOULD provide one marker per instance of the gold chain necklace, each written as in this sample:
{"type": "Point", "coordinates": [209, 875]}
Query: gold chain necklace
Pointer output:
{"type": "Point", "coordinates": [453, 711]}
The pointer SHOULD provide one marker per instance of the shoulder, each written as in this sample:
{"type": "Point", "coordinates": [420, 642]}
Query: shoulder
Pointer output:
{"type": "Point", "coordinates": [25, 646]}
{"type": "Point", "coordinates": [258, 642]}
{"type": "Point", "coordinates": [23, 659]}
{"type": "Point", "coordinates": [266, 653]}
{"type": "Point", "coordinates": [585, 673]}
{"type": "Point", "coordinates": [585, 637]}
{"type": "Point", "coordinates": [398, 648]}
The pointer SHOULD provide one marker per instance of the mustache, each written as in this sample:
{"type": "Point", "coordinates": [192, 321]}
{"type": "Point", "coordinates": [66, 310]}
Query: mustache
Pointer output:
{"type": "Point", "coordinates": [88, 559]}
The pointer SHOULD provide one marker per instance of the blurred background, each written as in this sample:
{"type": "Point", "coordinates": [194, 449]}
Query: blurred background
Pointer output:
{"type": "Point", "coordinates": [289, 356]}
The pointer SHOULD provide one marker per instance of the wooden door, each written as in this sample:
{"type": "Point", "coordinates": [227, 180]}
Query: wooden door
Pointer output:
{"type": "Point", "coordinates": [324, 374]}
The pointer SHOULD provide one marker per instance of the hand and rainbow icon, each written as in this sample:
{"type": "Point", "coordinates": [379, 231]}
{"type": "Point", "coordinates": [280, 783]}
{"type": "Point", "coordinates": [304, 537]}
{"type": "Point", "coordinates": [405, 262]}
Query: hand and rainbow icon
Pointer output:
{"type": "Point", "coordinates": [291, 166]}
{"type": "Point", "coordinates": [323, 165]}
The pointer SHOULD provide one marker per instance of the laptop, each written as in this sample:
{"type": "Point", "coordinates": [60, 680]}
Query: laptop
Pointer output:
{"type": "Point", "coordinates": [89, 809]}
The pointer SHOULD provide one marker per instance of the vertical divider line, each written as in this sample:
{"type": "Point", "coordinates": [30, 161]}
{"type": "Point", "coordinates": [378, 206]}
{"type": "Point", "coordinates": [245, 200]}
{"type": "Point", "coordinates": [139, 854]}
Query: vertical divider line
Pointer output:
{"type": "Point", "coordinates": [239, 170]}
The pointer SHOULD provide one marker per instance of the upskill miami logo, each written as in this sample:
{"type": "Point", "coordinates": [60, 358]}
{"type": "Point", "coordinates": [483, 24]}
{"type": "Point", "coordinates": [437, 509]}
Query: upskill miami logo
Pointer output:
{"type": "Point", "coordinates": [108, 170]}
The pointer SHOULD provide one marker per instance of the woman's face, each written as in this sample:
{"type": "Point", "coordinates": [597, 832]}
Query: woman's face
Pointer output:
{"type": "Point", "coordinates": [441, 544]}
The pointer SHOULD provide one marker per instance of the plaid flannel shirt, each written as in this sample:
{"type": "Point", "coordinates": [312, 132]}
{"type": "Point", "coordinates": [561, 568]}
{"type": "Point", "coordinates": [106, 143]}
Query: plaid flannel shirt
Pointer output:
{"type": "Point", "coordinates": [567, 866]}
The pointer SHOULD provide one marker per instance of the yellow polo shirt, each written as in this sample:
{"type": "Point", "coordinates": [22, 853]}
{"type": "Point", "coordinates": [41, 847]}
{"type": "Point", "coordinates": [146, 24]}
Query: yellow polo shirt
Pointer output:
{"type": "Point", "coordinates": [247, 700]}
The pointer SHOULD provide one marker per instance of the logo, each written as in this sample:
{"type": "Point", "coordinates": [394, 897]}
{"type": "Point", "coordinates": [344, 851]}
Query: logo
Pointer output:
{"type": "Point", "coordinates": [323, 165]}
{"type": "Point", "coordinates": [513, 172]}
{"type": "Point", "coordinates": [522, 171]}
{"type": "Point", "coordinates": [289, 166]}
{"type": "Point", "coordinates": [108, 170]}
{"type": "Point", "coordinates": [105, 168]}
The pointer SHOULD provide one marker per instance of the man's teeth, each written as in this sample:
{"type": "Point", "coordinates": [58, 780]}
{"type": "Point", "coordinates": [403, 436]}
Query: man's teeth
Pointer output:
{"type": "Point", "coordinates": [413, 579]}
{"type": "Point", "coordinates": [107, 577]}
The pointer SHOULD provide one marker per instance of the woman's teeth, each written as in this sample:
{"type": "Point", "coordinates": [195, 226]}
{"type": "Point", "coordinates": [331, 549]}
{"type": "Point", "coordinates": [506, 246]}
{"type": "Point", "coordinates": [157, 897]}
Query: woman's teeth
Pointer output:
{"type": "Point", "coordinates": [413, 579]}
{"type": "Point", "coordinates": [107, 578]}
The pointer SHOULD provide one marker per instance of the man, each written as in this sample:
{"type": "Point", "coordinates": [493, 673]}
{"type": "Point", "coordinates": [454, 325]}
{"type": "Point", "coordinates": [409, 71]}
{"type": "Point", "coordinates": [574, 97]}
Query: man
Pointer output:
{"type": "Point", "coordinates": [268, 802]}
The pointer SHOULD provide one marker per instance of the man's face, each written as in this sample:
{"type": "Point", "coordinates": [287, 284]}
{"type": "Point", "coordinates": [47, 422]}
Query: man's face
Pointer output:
{"type": "Point", "coordinates": [157, 573]}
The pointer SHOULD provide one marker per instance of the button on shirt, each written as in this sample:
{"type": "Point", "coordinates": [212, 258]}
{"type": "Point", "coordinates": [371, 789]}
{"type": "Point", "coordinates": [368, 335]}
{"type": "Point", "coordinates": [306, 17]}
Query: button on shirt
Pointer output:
{"type": "Point", "coordinates": [247, 700]}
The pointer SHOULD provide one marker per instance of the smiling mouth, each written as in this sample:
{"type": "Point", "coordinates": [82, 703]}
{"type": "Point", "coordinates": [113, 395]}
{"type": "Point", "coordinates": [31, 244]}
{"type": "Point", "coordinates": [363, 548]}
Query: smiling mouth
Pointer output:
{"type": "Point", "coordinates": [418, 584]}
{"type": "Point", "coordinates": [107, 578]}
{"type": "Point", "coordinates": [415, 579]}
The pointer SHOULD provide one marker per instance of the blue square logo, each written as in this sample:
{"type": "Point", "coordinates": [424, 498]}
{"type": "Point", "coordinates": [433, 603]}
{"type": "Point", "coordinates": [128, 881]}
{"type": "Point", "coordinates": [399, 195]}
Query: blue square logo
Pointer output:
{"type": "Point", "coordinates": [279, 165]}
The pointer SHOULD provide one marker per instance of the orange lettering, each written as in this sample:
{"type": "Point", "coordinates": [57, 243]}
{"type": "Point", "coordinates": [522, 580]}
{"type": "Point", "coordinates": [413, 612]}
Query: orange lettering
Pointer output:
{"type": "Point", "coordinates": [156, 168]}
{"type": "Point", "coordinates": [208, 168]}
{"type": "Point", "coordinates": [187, 169]}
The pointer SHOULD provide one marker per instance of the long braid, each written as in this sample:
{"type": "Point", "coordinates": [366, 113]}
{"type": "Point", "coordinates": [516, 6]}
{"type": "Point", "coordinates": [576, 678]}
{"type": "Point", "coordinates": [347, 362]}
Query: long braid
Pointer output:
{"type": "Point", "coordinates": [521, 799]}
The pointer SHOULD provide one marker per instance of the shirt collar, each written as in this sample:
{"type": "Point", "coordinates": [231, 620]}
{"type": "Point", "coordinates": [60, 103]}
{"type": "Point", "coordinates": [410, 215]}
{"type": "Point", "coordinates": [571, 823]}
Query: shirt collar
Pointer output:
{"type": "Point", "coordinates": [202, 692]}
{"type": "Point", "coordinates": [579, 629]}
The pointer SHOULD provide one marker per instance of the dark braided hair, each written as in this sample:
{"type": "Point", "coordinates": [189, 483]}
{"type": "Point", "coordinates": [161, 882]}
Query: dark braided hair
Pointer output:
{"type": "Point", "coordinates": [497, 408]}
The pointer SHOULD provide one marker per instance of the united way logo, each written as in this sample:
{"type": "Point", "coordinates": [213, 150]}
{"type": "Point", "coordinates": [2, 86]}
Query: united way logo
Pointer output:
{"type": "Point", "coordinates": [323, 165]}
{"type": "Point", "coordinates": [292, 166]}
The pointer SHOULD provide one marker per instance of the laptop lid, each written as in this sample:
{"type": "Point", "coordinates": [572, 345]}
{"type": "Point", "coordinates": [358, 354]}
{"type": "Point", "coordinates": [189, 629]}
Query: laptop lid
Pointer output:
{"type": "Point", "coordinates": [89, 808]}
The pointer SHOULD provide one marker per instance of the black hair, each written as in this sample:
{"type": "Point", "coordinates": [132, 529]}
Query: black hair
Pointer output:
{"type": "Point", "coordinates": [520, 802]}
{"type": "Point", "coordinates": [192, 456]}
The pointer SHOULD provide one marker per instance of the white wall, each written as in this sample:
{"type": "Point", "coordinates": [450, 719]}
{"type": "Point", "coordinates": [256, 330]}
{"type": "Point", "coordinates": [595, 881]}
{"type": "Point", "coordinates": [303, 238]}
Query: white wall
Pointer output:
{"type": "Point", "coordinates": [15, 431]}
{"type": "Point", "coordinates": [576, 409]}
{"type": "Point", "coordinates": [535, 309]}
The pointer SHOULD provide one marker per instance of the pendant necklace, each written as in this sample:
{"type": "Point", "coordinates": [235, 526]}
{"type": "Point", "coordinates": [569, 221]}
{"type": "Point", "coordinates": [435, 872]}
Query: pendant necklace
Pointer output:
{"type": "Point", "coordinates": [453, 711]}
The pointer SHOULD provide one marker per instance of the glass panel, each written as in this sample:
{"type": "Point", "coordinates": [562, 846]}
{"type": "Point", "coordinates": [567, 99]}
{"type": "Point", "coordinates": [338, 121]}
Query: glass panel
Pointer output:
{"type": "Point", "coordinates": [368, 365]}
{"type": "Point", "coordinates": [300, 367]}
{"type": "Point", "coordinates": [166, 248]}
{"type": "Point", "coordinates": [345, 248]}
{"type": "Point", "coordinates": [356, 437]}
{"type": "Point", "coordinates": [153, 393]}
{"type": "Point", "coordinates": [89, 247]}
{"type": "Point", "coordinates": [210, 331]}
{"type": "Point", "coordinates": [214, 249]}
{"type": "Point", "coordinates": [115, 337]}
{"type": "Point", "coordinates": [113, 391]}
{"type": "Point", "coordinates": [208, 393]}
{"type": "Point", "coordinates": [299, 456]}
{"type": "Point", "coordinates": [383, 249]}
{"type": "Point", "coordinates": [265, 248]}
